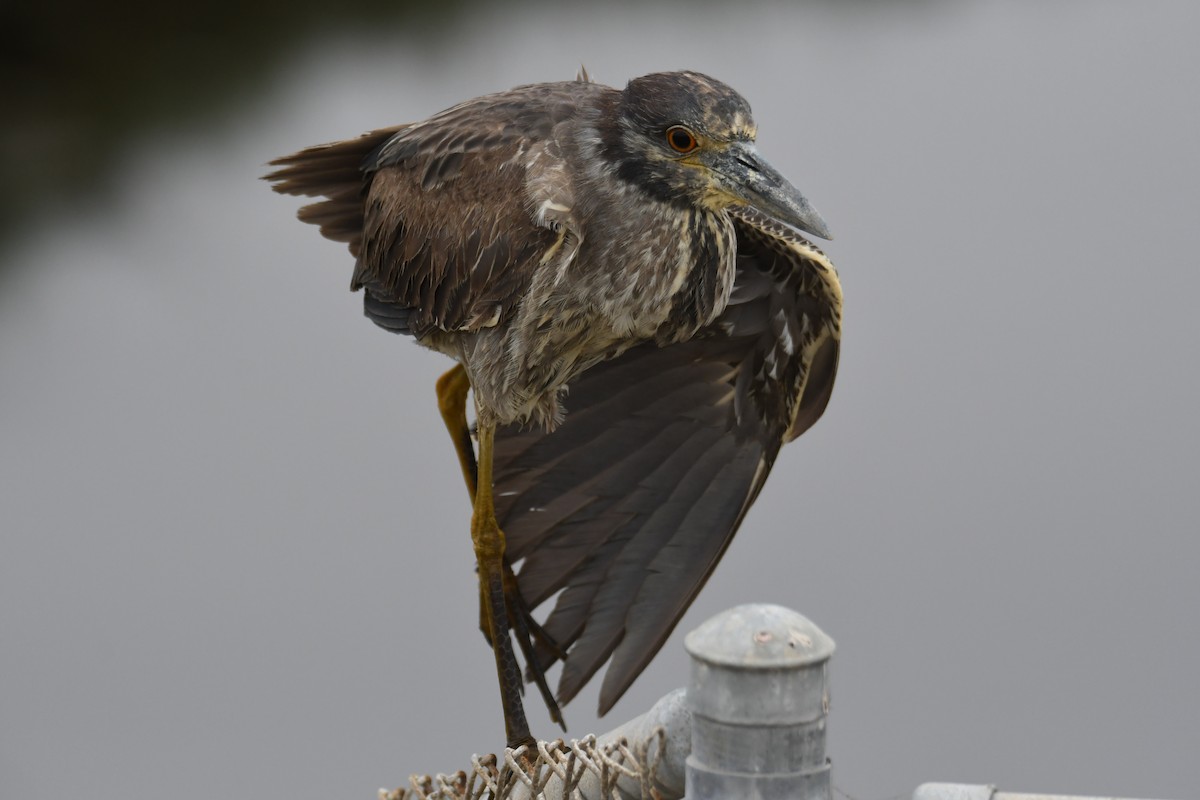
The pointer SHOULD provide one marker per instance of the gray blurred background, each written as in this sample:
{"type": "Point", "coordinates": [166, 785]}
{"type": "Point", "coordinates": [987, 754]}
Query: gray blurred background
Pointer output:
{"type": "Point", "coordinates": [234, 559]}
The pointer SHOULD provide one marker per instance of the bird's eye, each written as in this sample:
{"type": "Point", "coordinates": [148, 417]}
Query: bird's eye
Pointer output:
{"type": "Point", "coordinates": [681, 139]}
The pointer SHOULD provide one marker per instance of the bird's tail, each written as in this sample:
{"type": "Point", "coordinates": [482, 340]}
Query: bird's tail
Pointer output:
{"type": "Point", "coordinates": [335, 173]}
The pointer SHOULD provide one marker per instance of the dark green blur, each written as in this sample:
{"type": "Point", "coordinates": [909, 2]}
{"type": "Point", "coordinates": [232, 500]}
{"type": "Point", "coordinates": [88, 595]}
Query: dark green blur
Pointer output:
{"type": "Point", "coordinates": [80, 78]}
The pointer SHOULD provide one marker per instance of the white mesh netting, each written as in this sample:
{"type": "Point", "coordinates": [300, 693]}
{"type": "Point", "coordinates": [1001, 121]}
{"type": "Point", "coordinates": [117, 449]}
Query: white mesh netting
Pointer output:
{"type": "Point", "coordinates": [582, 768]}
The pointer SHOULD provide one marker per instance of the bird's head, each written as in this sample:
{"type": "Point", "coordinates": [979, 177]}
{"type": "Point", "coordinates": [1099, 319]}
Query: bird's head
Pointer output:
{"type": "Point", "coordinates": [686, 137]}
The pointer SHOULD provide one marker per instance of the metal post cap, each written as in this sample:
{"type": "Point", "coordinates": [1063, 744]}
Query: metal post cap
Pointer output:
{"type": "Point", "coordinates": [759, 636]}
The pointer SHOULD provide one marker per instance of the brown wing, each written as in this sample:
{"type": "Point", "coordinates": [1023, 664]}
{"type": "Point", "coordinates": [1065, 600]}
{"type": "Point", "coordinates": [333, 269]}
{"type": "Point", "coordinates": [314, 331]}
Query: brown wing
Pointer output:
{"type": "Point", "coordinates": [627, 506]}
{"type": "Point", "coordinates": [435, 212]}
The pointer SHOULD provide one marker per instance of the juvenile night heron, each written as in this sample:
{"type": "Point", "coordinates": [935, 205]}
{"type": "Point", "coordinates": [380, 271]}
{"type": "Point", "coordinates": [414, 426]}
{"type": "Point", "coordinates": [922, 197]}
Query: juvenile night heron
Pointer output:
{"type": "Point", "coordinates": [620, 277]}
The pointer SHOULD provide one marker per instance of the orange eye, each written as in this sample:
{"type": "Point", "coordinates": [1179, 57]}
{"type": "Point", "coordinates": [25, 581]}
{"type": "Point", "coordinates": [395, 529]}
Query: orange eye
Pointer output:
{"type": "Point", "coordinates": [681, 139]}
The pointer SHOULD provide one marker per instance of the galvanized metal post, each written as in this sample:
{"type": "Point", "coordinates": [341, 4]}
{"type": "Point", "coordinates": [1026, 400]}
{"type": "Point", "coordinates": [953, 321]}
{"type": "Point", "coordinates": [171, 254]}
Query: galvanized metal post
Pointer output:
{"type": "Point", "coordinates": [970, 791]}
{"type": "Point", "coordinates": [759, 695]}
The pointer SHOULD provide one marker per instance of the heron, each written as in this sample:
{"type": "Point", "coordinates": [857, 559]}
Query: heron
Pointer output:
{"type": "Point", "coordinates": [625, 287]}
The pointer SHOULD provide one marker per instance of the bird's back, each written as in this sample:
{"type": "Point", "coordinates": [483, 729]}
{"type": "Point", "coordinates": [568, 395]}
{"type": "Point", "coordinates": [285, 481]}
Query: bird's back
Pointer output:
{"type": "Point", "coordinates": [437, 212]}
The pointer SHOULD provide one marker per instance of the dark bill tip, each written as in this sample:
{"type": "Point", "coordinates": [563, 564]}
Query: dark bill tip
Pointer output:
{"type": "Point", "coordinates": [764, 188]}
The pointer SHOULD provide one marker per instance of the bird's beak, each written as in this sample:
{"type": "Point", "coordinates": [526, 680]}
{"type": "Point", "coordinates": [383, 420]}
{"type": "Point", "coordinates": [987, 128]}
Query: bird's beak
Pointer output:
{"type": "Point", "coordinates": [747, 176]}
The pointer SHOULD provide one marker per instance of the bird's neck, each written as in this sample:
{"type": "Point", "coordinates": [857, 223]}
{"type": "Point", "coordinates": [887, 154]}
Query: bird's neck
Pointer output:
{"type": "Point", "coordinates": [669, 253]}
{"type": "Point", "coordinates": [705, 273]}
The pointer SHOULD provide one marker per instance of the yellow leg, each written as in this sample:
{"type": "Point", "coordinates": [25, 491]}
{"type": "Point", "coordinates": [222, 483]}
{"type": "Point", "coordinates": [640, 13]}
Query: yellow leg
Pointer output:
{"type": "Point", "coordinates": [452, 391]}
{"type": "Point", "coordinates": [489, 555]}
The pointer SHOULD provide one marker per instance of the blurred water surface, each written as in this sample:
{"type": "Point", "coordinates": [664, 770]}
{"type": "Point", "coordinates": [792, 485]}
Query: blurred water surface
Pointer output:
{"type": "Point", "coordinates": [235, 559]}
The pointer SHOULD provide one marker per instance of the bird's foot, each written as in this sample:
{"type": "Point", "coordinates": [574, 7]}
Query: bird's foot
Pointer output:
{"type": "Point", "coordinates": [491, 584]}
{"type": "Point", "coordinates": [527, 630]}
{"type": "Point", "coordinates": [538, 647]}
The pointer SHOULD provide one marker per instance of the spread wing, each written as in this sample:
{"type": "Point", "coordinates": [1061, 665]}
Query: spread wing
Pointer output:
{"type": "Point", "coordinates": [437, 213]}
{"type": "Point", "coordinates": [628, 505]}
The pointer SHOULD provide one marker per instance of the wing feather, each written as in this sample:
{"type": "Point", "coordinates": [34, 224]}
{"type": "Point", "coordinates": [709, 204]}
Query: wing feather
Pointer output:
{"type": "Point", "coordinates": [625, 509]}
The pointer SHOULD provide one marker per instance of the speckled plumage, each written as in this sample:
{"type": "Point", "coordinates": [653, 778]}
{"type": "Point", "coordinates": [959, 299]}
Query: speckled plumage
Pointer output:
{"type": "Point", "coordinates": [645, 309]}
